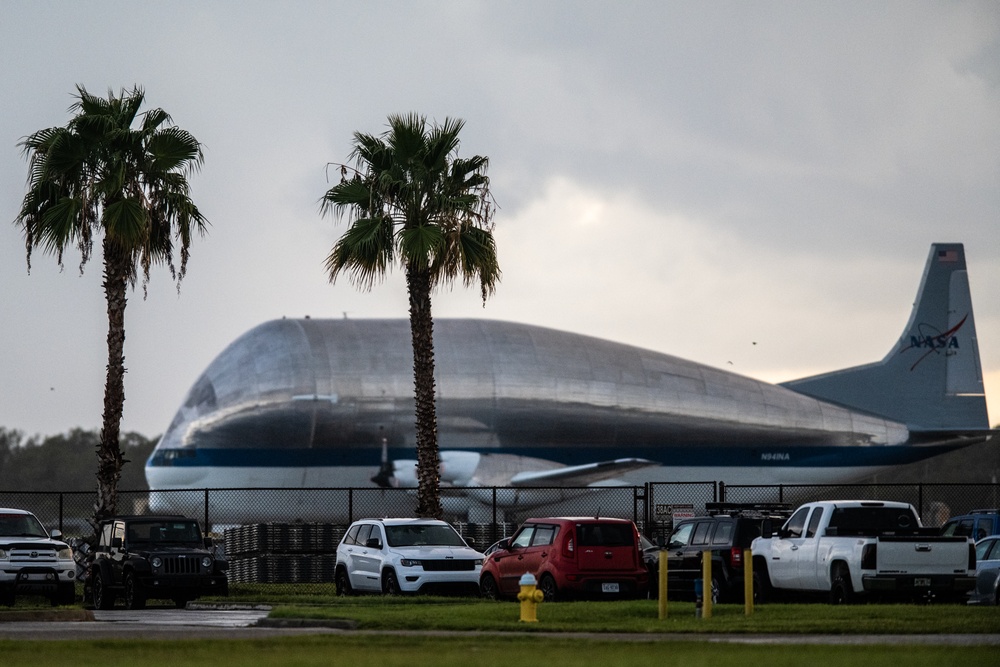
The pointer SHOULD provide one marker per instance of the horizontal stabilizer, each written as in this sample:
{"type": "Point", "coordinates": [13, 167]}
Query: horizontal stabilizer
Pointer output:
{"type": "Point", "coordinates": [581, 475]}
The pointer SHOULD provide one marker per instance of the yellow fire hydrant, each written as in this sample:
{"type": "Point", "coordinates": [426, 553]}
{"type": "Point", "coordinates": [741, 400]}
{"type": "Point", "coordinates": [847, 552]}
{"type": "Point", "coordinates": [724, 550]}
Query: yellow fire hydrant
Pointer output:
{"type": "Point", "coordinates": [529, 597]}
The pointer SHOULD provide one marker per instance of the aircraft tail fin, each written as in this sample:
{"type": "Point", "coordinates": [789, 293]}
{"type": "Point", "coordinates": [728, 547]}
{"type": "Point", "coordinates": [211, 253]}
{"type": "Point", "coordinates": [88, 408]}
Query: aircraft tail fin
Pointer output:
{"type": "Point", "coordinates": [932, 380]}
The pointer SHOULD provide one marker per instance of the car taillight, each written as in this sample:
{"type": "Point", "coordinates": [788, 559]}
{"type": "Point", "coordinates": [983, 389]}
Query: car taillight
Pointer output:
{"type": "Point", "coordinates": [736, 556]}
{"type": "Point", "coordinates": [569, 548]}
{"type": "Point", "coordinates": [972, 556]}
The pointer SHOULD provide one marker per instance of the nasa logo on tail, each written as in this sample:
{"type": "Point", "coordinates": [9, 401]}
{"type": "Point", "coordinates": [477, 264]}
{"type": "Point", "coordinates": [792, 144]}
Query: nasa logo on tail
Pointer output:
{"type": "Point", "coordinates": [935, 342]}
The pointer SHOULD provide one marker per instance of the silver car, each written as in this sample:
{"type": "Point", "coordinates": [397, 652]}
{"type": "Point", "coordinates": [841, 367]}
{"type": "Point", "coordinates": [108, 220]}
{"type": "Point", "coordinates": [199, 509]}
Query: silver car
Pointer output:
{"type": "Point", "coordinates": [987, 590]}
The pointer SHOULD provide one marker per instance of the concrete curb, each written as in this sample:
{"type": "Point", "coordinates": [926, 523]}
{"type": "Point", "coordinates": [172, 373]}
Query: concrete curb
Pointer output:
{"type": "Point", "coordinates": [46, 615]}
{"type": "Point", "coordinates": [336, 623]}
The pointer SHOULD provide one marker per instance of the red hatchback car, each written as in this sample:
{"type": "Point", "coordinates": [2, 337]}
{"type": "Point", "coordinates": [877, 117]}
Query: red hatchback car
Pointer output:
{"type": "Point", "coordinates": [593, 557]}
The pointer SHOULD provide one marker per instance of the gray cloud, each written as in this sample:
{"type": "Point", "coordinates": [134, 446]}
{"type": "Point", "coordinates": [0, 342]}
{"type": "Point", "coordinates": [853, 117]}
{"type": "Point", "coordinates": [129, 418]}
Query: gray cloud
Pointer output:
{"type": "Point", "coordinates": [682, 176]}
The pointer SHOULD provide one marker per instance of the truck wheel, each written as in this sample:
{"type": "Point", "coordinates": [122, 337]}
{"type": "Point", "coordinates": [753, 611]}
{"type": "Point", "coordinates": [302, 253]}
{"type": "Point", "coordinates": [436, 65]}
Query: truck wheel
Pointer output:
{"type": "Point", "coordinates": [103, 598]}
{"type": "Point", "coordinates": [762, 591]}
{"type": "Point", "coordinates": [841, 590]}
{"type": "Point", "coordinates": [135, 596]}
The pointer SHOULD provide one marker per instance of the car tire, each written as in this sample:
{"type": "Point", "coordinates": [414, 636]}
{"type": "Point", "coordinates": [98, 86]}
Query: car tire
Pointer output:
{"type": "Point", "coordinates": [135, 596]}
{"type": "Point", "coordinates": [342, 582]}
{"type": "Point", "coordinates": [716, 590]}
{"type": "Point", "coordinates": [65, 595]}
{"type": "Point", "coordinates": [6, 597]}
{"type": "Point", "coordinates": [488, 588]}
{"type": "Point", "coordinates": [390, 584]}
{"type": "Point", "coordinates": [548, 587]}
{"type": "Point", "coordinates": [103, 598]}
{"type": "Point", "coordinates": [841, 590]}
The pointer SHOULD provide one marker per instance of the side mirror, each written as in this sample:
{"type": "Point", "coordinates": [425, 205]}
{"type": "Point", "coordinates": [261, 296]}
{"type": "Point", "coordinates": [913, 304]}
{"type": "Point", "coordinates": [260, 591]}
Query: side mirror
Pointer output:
{"type": "Point", "coordinates": [208, 542]}
{"type": "Point", "coordinates": [116, 543]}
{"type": "Point", "coordinates": [505, 545]}
{"type": "Point", "coordinates": [373, 543]}
{"type": "Point", "coordinates": [470, 542]}
{"type": "Point", "coordinates": [56, 534]}
{"type": "Point", "coordinates": [766, 529]}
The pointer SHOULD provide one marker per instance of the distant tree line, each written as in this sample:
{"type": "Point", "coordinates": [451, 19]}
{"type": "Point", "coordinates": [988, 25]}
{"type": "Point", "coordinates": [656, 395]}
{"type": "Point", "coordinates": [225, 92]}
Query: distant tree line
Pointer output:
{"type": "Point", "coordinates": [66, 462]}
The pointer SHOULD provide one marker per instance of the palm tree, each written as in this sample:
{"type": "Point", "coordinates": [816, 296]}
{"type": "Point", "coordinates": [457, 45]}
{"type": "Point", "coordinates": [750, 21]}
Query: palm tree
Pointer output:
{"type": "Point", "coordinates": [414, 202]}
{"type": "Point", "coordinates": [119, 175]}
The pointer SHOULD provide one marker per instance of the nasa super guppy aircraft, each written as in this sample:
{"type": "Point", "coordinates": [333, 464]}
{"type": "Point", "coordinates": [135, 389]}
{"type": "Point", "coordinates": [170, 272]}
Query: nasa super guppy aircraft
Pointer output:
{"type": "Point", "coordinates": [329, 403]}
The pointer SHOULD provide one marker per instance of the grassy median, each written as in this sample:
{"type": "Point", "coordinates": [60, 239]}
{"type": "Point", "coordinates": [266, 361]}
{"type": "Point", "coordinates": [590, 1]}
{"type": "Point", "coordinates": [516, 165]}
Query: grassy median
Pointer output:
{"type": "Point", "coordinates": [641, 616]}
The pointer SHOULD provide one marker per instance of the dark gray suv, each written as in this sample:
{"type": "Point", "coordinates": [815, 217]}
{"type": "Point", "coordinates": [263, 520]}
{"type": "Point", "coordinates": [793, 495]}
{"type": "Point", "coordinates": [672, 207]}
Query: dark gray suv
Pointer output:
{"type": "Point", "coordinates": [725, 532]}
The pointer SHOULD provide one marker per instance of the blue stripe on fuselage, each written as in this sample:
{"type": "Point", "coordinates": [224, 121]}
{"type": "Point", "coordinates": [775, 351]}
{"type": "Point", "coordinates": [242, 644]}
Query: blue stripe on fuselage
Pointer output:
{"type": "Point", "coordinates": [702, 456]}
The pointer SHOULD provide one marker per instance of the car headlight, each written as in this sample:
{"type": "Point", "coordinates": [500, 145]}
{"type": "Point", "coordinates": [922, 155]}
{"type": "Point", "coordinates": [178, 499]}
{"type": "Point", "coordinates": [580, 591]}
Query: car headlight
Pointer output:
{"type": "Point", "coordinates": [157, 562]}
{"type": "Point", "coordinates": [65, 554]}
{"type": "Point", "coordinates": [479, 562]}
{"type": "Point", "coordinates": [409, 562]}
{"type": "Point", "coordinates": [3, 554]}
{"type": "Point", "coordinates": [206, 562]}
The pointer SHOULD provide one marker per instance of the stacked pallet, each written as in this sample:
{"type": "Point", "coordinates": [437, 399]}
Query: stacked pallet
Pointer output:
{"type": "Point", "coordinates": [283, 553]}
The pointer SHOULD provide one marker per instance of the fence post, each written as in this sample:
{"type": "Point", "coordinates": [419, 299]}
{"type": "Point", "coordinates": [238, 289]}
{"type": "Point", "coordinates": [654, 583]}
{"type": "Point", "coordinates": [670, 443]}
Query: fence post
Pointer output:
{"type": "Point", "coordinates": [208, 527]}
{"type": "Point", "coordinates": [722, 492]}
{"type": "Point", "coordinates": [646, 514]}
{"type": "Point", "coordinates": [350, 506]}
{"type": "Point", "coordinates": [920, 500]}
{"type": "Point", "coordinates": [494, 535]}
{"type": "Point", "coordinates": [60, 512]}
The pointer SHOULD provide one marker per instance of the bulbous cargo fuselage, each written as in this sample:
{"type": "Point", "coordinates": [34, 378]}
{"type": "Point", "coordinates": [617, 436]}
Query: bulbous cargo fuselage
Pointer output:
{"type": "Point", "coordinates": [300, 401]}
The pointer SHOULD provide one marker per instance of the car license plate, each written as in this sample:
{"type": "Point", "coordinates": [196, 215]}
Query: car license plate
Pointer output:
{"type": "Point", "coordinates": [922, 582]}
{"type": "Point", "coordinates": [609, 588]}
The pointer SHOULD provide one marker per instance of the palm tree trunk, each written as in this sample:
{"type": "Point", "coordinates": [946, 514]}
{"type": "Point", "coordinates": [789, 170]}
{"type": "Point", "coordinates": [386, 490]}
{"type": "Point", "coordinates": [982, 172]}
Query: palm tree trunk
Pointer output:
{"type": "Point", "coordinates": [418, 285]}
{"type": "Point", "coordinates": [109, 455]}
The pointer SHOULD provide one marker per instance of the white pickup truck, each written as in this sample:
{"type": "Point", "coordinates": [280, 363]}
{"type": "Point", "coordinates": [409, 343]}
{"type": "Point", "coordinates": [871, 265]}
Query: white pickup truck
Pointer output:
{"type": "Point", "coordinates": [846, 548]}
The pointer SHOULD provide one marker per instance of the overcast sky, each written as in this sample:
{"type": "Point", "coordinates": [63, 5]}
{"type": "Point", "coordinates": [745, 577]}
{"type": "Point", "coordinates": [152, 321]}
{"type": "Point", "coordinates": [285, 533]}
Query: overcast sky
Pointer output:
{"type": "Point", "coordinates": [689, 177]}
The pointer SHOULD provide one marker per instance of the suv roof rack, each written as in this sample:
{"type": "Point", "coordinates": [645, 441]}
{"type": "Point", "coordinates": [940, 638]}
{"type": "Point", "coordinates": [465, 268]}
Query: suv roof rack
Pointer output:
{"type": "Point", "coordinates": [749, 509]}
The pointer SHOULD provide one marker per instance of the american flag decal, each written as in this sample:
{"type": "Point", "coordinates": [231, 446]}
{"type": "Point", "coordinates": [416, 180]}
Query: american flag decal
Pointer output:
{"type": "Point", "coordinates": [947, 255]}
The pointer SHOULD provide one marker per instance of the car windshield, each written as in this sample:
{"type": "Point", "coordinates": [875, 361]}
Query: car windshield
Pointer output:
{"type": "Point", "coordinates": [164, 532]}
{"type": "Point", "coordinates": [422, 534]}
{"type": "Point", "coordinates": [20, 525]}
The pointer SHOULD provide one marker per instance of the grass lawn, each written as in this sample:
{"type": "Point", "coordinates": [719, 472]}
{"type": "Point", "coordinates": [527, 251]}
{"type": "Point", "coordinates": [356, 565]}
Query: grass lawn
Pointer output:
{"type": "Point", "coordinates": [389, 651]}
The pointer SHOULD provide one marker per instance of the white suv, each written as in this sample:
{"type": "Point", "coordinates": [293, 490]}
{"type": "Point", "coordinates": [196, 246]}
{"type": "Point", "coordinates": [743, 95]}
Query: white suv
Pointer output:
{"type": "Point", "coordinates": [395, 556]}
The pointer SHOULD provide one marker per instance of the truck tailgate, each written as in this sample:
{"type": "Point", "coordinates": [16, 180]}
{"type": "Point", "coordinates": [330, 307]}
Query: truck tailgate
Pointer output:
{"type": "Point", "coordinates": [922, 555]}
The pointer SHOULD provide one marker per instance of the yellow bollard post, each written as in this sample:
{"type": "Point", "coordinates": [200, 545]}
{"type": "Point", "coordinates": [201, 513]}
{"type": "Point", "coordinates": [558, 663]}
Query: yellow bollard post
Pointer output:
{"type": "Point", "coordinates": [661, 584]}
{"type": "Point", "coordinates": [706, 575]}
{"type": "Point", "coordinates": [747, 582]}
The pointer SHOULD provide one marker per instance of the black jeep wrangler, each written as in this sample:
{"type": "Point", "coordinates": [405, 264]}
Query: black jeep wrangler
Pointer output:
{"type": "Point", "coordinates": [162, 557]}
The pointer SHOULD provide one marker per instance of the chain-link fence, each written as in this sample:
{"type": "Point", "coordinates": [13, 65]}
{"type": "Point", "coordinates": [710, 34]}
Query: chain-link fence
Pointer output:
{"type": "Point", "coordinates": [290, 536]}
{"type": "Point", "coordinates": [933, 502]}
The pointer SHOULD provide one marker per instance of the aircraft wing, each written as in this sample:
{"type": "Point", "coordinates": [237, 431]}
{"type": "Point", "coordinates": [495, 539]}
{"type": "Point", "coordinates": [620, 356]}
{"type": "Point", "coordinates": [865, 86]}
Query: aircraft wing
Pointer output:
{"type": "Point", "coordinates": [581, 475]}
